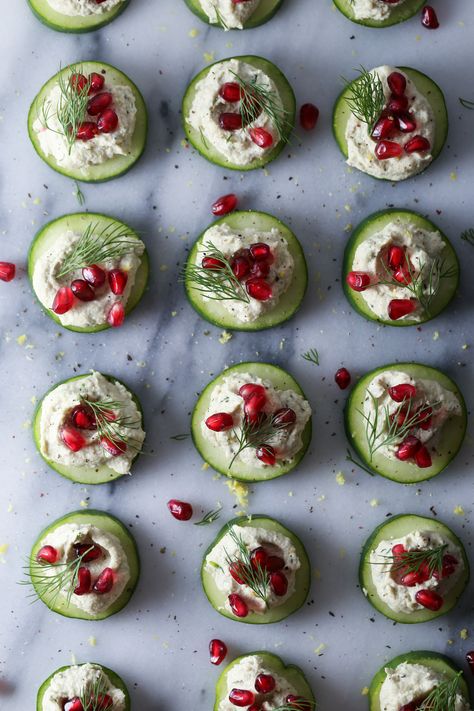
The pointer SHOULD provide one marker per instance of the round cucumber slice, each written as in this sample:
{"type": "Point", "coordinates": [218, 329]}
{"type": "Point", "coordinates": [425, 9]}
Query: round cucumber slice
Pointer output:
{"type": "Point", "coordinates": [452, 435]}
{"type": "Point", "coordinates": [397, 15]}
{"type": "Point", "coordinates": [425, 86]}
{"type": "Point", "coordinates": [287, 97]}
{"type": "Point", "coordinates": [78, 222]}
{"type": "Point", "coordinates": [81, 475]}
{"type": "Point", "coordinates": [114, 167]}
{"type": "Point", "coordinates": [292, 673]}
{"type": "Point", "coordinates": [367, 230]}
{"type": "Point", "coordinates": [397, 527]}
{"type": "Point", "coordinates": [114, 678]}
{"type": "Point", "coordinates": [262, 14]}
{"type": "Point", "coordinates": [302, 578]}
{"type": "Point", "coordinates": [437, 662]}
{"type": "Point", "coordinates": [290, 301]}
{"type": "Point", "coordinates": [216, 458]}
{"type": "Point", "coordinates": [110, 524]}
{"type": "Point", "coordinates": [76, 24]}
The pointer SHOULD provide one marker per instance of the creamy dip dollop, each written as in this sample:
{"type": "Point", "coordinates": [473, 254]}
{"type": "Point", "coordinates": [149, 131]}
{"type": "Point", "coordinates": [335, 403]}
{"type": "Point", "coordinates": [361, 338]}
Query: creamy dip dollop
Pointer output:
{"type": "Point", "coordinates": [373, 9]}
{"type": "Point", "coordinates": [409, 682]}
{"type": "Point", "coordinates": [243, 675]}
{"type": "Point", "coordinates": [401, 598]}
{"type": "Point", "coordinates": [83, 8]}
{"type": "Point", "coordinates": [76, 681]}
{"type": "Point", "coordinates": [228, 241]}
{"type": "Point", "coordinates": [228, 14]}
{"type": "Point", "coordinates": [63, 540]}
{"type": "Point", "coordinates": [423, 250]}
{"type": "Point", "coordinates": [55, 410]}
{"type": "Point", "coordinates": [225, 398]}
{"type": "Point", "coordinates": [235, 146]}
{"type": "Point", "coordinates": [361, 147]}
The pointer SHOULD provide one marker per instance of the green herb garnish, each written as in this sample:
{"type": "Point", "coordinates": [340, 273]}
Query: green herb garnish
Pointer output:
{"type": "Point", "coordinates": [219, 283]}
{"type": "Point", "coordinates": [209, 517]}
{"type": "Point", "coordinates": [350, 458]}
{"type": "Point", "coordinates": [48, 584]}
{"type": "Point", "coordinates": [72, 105]}
{"type": "Point", "coordinates": [253, 575]}
{"type": "Point", "coordinates": [93, 695]}
{"type": "Point", "coordinates": [366, 98]}
{"type": "Point", "coordinates": [116, 429]}
{"type": "Point", "coordinates": [443, 697]}
{"type": "Point", "coordinates": [467, 103]}
{"type": "Point", "coordinates": [312, 356]}
{"type": "Point", "coordinates": [256, 99]}
{"type": "Point", "coordinates": [468, 236]}
{"type": "Point", "coordinates": [257, 434]}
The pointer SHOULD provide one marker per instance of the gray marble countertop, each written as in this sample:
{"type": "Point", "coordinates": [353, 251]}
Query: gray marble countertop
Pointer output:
{"type": "Point", "coordinates": [167, 354]}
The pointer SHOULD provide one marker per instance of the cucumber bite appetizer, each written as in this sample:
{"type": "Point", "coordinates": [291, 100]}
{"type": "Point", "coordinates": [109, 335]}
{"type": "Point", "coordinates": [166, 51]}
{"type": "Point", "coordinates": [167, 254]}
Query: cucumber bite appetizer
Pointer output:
{"type": "Point", "coordinates": [246, 272]}
{"type": "Point", "coordinates": [89, 428]}
{"type": "Point", "coordinates": [252, 422]}
{"type": "Point", "coordinates": [231, 15]}
{"type": "Point", "coordinates": [419, 681]}
{"type": "Point", "coordinates": [399, 269]}
{"type": "Point", "coordinates": [88, 271]}
{"type": "Point", "coordinates": [413, 568]}
{"type": "Point", "coordinates": [391, 122]}
{"type": "Point", "coordinates": [379, 13]}
{"type": "Point", "coordinates": [239, 112]}
{"type": "Point", "coordinates": [256, 571]}
{"type": "Point", "coordinates": [84, 565]}
{"type": "Point", "coordinates": [83, 686]}
{"type": "Point", "coordinates": [77, 15]}
{"type": "Point", "coordinates": [261, 680]}
{"type": "Point", "coordinates": [406, 421]}
{"type": "Point", "coordinates": [89, 122]}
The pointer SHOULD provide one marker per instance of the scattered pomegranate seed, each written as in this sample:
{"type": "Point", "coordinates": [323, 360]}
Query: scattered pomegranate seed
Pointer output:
{"type": "Point", "coordinates": [115, 449]}
{"type": "Point", "coordinates": [423, 458]}
{"type": "Point", "coordinates": [230, 92]}
{"type": "Point", "coordinates": [403, 275]}
{"type": "Point", "coordinates": [398, 551]}
{"type": "Point", "coordinates": [274, 563]}
{"type": "Point", "coordinates": [266, 454]}
{"type": "Point", "coordinates": [258, 558]}
{"type": "Point", "coordinates": [230, 122]}
{"type": "Point", "coordinates": [309, 114]}
{"type": "Point", "coordinates": [78, 82]}
{"type": "Point", "coordinates": [358, 281]}
{"type": "Point", "coordinates": [96, 82]}
{"type": "Point", "coordinates": [63, 301]}
{"type": "Point", "coordinates": [238, 606]}
{"type": "Point", "coordinates": [259, 289]}
{"type": "Point", "coordinates": [212, 264]}
{"type": "Point", "coordinates": [283, 417]}
{"type": "Point", "coordinates": [397, 105]}
{"type": "Point", "coordinates": [117, 281]}
{"type": "Point", "coordinates": [398, 308]}
{"type": "Point", "coordinates": [406, 123]}
{"type": "Point", "coordinates": [429, 18]}
{"type": "Point", "coordinates": [246, 391]}
{"type": "Point", "coordinates": [235, 569]}
{"type": "Point", "coordinates": [72, 438]}
{"type": "Point", "coordinates": [94, 275]}
{"type": "Point", "coordinates": [383, 128]}
{"type": "Point", "coordinates": [397, 83]}
{"type": "Point", "coordinates": [265, 683]}
{"type": "Point", "coordinates": [299, 703]}
{"type": "Point", "coordinates": [116, 315]}
{"type": "Point", "coordinates": [429, 599]}
{"type": "Point", "coordinates": [88, 551]}
{"type": "Point", "coordinates": [278, 583]}
{"type": "Point", "coordinates": [254, 405]}
{"type": "Point", "coordinates": [470, 660]}
{"type": "Point", "coordinates": [7, 271]}
{"type": "Point", "coordinates": [241, 697]}
{"type": "Point", "coordinates": [408, 448]}
{"type": "Point", "coordinates": [99, 103]}
{"type": "Point", "coordinates": [240, 267]}
{"type": "Point", "coordinates": [83, 418]}
{"type": "Point", "coordinates": [220, 421]}
{"type": "Point", "coordinates": [107, 121]}
{"type": "Point", "coordinates": [181, 510]}
{"type": "Point", "coordinates": [47, 554]}
{"type": "Point", "coordinates": [396, 256]}
{"type": "Point", "coordinates": [448, 568]}
{"type": "Point", "coordinates": [261, 137]}
{"type": "Point", "coordinates": [402, 392]}
{"type": "Point", "coordinates": [74, 704]}
{"type": "Point", "coordinates": [255, 707]}
{"type": "Point", "coordinates": [417, 144]}
{"type": "Point", "coordinates": [104, 582]}
{"type": "Point", "coordinates": [224, 204]}
{"type": "Point", "coordinates": [425, 419]}
{"type": "Point", "coordinates": [217, 651]}
{"type": "Point", "coordinates": [415, 577]}
{"type": "Point", "coordinates": [342, 378]}
{"type": "Point", "coordinates": [260, 251]}
{"type": "Point", "coordinates": [83, 581]}
{"type": "Point", "coordinates": [259, 270]}
{"type": "Point", "coordinates": [86, 131]}
{"type": "Point", "coordinates": [388, 149]}
{"type": "Point", "coordinates": [103, 702]}
{"type": "Point", "coordinates": [82, 290]}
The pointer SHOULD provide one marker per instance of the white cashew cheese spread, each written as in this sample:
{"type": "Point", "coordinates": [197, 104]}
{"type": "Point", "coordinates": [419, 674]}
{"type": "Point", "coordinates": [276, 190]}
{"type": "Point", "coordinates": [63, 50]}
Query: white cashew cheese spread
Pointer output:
{"type": "Point", "coordinates": [373, 9]}
{"type": "Point", "coordinates": [83, 8]}
{"type": "Point", "coordinates": [409, 682]}
{"type": "Point", "coordinates": [208, 105]}
{"type": "Point", "coordinates": [56, 407]}
{"type": "Point", "coordinates": [64, 538]}
{"type": "Point", "coordinates": [228, 241]}
{"type": "Point", "coordinates": [361, 147]}
{"type": "Point", "coordinates": [228, 14]}
{"type": "Point", "coordinates": [243, 675]}
{"type": "Point", "coordinates": [75, 682]}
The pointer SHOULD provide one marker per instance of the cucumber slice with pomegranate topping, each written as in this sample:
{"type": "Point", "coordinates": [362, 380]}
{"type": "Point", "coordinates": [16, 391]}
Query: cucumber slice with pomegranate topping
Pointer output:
{"type": "Point", "coordinates": [397, 527]}
{"type": "Point", "coordinates": [109, 524]}
{"type": "Point", "coordinates": [116, 681]}
{"type": "Point", "coordinates": [449, 266]}
{"type": "Point", "coordinates": [218, 598]}
{"type": "Point", "coordinates": [263, 13]}
{"type": "Point", "coordinates": [438, 663]}
{"type": "Point", "coordinates": [398, 14]}
{"type": "Point", "coordinates": [288, 303]}
{"type": "Point", "coordinates": [219, 459]}
{"type": "Point", "coordinates": [448, 441]}
{"type": "Point", "coordinates": [74, 23]}
{"type": "Point", "coordinates": [197, 138]}
{"type": "Point", "coordinates": [112, 167]}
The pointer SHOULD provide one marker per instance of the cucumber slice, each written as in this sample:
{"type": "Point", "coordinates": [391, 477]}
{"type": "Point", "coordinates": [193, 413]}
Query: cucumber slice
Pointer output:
{"type": "Point", "coordinates": [110, 524]}
{"type": "Point", "coordinates": [262, 14]}
{"type": "Point", "coordinates": [67, 23]}
{"type": "Point", "coordinates": [116, 166]}
{"type": "Point", "coordinates": [292, 673]}
{"type": "Point", "coordinates": [290, 301]}
{"type": "Point", "coordinates": [376, 223]}
{"type": "Point", "coordinates": [287, 97]}
{"type": "Point", "coordinates": [397, 15]}
{"type": "Point", "coordinates": [215, 458]}
{"type": "Point", "coordinates": [398, 527]}
{"type": "Point", "coordinates": [438, 662]}
{"type": "Point", "coordinates": [77, 222]}
{"type": "Point", "coordinates": [452, 435]}
{"type": "Point", "coordinates": [114, 678]}
{"type": "Point", "coordinates": [425, 86]}
{"type": "Point", "coordinates": [81, 475]}
{"type": "Point", "coordinates": [302, 578]}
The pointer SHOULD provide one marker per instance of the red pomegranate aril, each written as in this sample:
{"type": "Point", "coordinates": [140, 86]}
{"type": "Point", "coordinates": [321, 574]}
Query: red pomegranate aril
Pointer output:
{"type": "Point", "coordinates": [283, 417]}
{"type": "Point", "coordinates": [274, 563]}
{"type": "Point", "coordinates": [448, 567]}
{"type": "Point", "coordinates": [259, 270]}
{"type": "Point", "coordinates": [117, 281]}
{"type": "Point", "coordinates": [217, 651]}
{"type": "Point", "coordinates": [83, 418]}
{"type": "Point", "coordinates": [260, 251]}
{"type": "Point", "coordinates": [99, 103]}
{"type": "Point", "coordinates": [404, 391]}
{"type": "Point", "coordinates": [236, 571]}
{"type": "Point", "coordinates": [358, 281]}
{"type": "Point", "coordinates": [397, 105]}
{"type": "Point", "coordinates": [403, 275]}
{"type": "Point", "coordinates": [409, 580]}
{"type": "Point", "coordinates": [259, 289]}
{"type": "Point", "coordinates": [224, 204]}
{"type": "Point", "coordinates": [238, 605]}
{"type": "Point", "coordinates": [258, 558]}
{"type": "Point", "coordinates": [417, 144]}
{"type": "Point", "coordinates": [470, 660]}
{"type": "Point", "coordinates": [78, 82]}
{"type": "Point", "coordinates": [103, 702]}
{"type": "Point", "coordinates": [230, 122]}
{"type": "Point", "coordinates": [255, 707]}
{"type": "Point", "coordinates": [82, 290]}
{"type": "Point", "coordinates": [342, 378]}
{"type": "Point", "coordinates": [116, 315]}
{"type": "Point", "coordinates": [266, 454]}
{"type": "Point", "coordinates": [388, 149]}
{"type": "Point", "coordinates": [241, 697]}
{"type": "Point", "coordinates": [261, 137]}
{"type": "Point", "coordinates": [396, 257]}
{"type": "Point", "coordinates": [94, 275]}
{"type": "Point", "coordinates": [240, 267]}
{"type": "Point", "coordinates": [399, 550]}
{"type": "Point", "coordinates": [246, 391]}
{"type": "Point", "coordinates": [7, 271]}
{"type": "Point", "coordinates": [253, 405]}
{"type": "Point", "coordinates": [265, 683]}
{"type": "Point", "coordinates": [72, 438]}
{"type": "Point", "coordinates": [47, 554]}
{"type": "Point", "coordinates": [423, 458]}
{"type": "Point", "coordinates": [409, 707]}
{"type": "Point", "coordinates": [86, 131]}
{"type": "Point", "coordinates": [429, 599]}
{"type": "Point", "coordinates": [397, 83]}
{"type": "Point", "coordinates": [383, 128]}
{"type": "Point", "coordinates": [88, 551]}
{"type": "Point", "coordinates": [230, 92]}
{"type": "Point", "coordinates": [104, 582]}
{"type": "Point", "coordinates": [107, 121]}
{"type": "Point", "coordinates": [429, 18]}
{"type": "Point", "coordinates": [408, 448]}
{"type": "Point", "coordinates": [181, 510]}
{"type": "Point", "coordinates": [299, 703]}
{"type": "Point", "coordinates": [278, 583]}
{"type": "Point", "coordinates": [309, 114]}
{"type": "Point", "coordinates": [96, 82]}
{"type": "Point", "coordinates": [63, 301]}
{"type": "Point", "coordinates": [212, 264]}
{"type": "Point", "coordinates": [115, 449]}
{"type": "Point", "coordinates": [83, 581]}
{"type": "Point", "coordinates": [74, 704]}
{"type": "Point", "coordinates": [406, 123]}
{"type": "Point", "coordinates": [425, 419]}
{"type": "Point", "coordinates": [220, 422]}
{"type": "Point", "coordinates": [398, 308]}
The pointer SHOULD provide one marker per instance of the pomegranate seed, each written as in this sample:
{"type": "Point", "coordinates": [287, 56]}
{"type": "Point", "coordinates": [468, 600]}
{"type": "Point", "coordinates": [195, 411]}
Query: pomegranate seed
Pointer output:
{"type": "Point", "coordinates": [78, 82]}
{"type": "Point", "coordinates": [406, 123]}
{"type": "Point", "coordinates": [278, 583]}
{"type": "Point", "coordinates": [259, 270]}
{"type": "Point", "coordinates": [258, 558]}
{"type": "Point", "coordinates": [470, 660]}
{"type": "Point", "coordinates": [309, 114]}
{"type": "Point", "coordinates": [212, 264]}
{"type": "Point", "coordinates": [397, 83]}
{"type": "Point", "coordinates": [246, 391]}
{"type": "Point", "coordinates": [299, 703]}
{"type": "Point", "coordinates": [241, 697]}
{"type": "Point", "coordinates": [220, 421]}
{"type": "Point", "coordinates": [398, 308]}
{"type": "Point", "coordinates": [448, 568]}
{"type": "Point", "coordinates": [429, 18]}
{"type": "Point", "coordinates": [255, 707]}
{"type": "Point", "coordinates": [266, 454]}
{"type": "Point", "coordinates": [83, 581]}
{"type": "Point", "coordinates": [235, 569]}
{"type": "Point", "coordinates": [82, 290]}
{"type": "Point", "coordinates": [396, 257]}
{"type": "Point", "coordinates": [47, 554]}
{"type": "Point", "coordinates": [397, 105]}
{"type": "Point", "coordinates": [238, 605]}
{"type": "Point", "coordinates": [102, 702]}
{"type": "Point", "coordinates": [104, 582]}
{"type": "Point", "coordinates": [259, 289]}
{"type": "Point", "coordinates": [383, 128]}
{"type": "Point", "coordinates": [63, 301]}
{"type": "Point", "coordinates": [107, 121]}
{"type": "Point", "coordinates": [409, 707]}
{"type": "Point", "coordinates": [423, 458]}
{"type": "Point", "coordinates": [284, 416]}
{"type": "Point", "coordinates": [94, 275]}
{"type": "Point", "coordinates": [88, 551]}
{"type": "Point", "coordinates": [181, 510]}
{"type": "Point", "coordinates": [99, 103]}
{"type": "Point", "coordinates": [83, 418]}
{"type": "Point", "coordinates": [72, 438]}
{"type": "Point", "coordinates": [96, 82]}
{"type": "Point", "coordinates": [117, 281]}
{"type": "Point", "coordinates": [409, 580]}
{"type": "Point", "coordinates": [417, 144]}
{"type": "Point", "coordinates": [240, 267]}
{"type": "Point", "coordinates": [274, 563]}
{"type": "Point", "coordinates": [342, 378]}
{"type": "Point", "coordinates": [260, 252]}
{"type": "Point", "coordinates": [261, 138]}
{"type": "Point", "coordinates": [388, 149]}
{"type": "Point", "coordinates": [230, 92]}
{"type": "Point", "coordinates": [403, 275]}
{"type": "Point", "coordinates": [408, 448]}
{"type": "Point", "coordinates": [217, 651]}
{"type": "Point", "coordinates": [398, 551]}
{"type": "Point", "coordinates": [254, 405]}
{"type": "Point", "coordinates": [7, 271]}
{"type": "Point", "coordinates": [74, 704]}
{"type": "Point", "coordinates": [358, 281]}
{"type": "Point", "coordinates": [425, 418]}
{"type": "Point", "coordinates": [224, 204]}
{"type": "Point", "coordinates": [115, 449]}
{"type": "Point", "coordinates": [86, 131]}
{"type": "Point", "coordinates": [402, 392]}
{"type": "Point", "coordinates": [230, 122]}
{"type": "Point", "coordinates": [265, 683]}
{"type": "Point", "coordinates": [116, 315]}
{"type": "Point", "coordinates": [429, 599]}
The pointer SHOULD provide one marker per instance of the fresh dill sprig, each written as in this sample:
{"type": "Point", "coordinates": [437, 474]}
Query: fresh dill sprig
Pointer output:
{"type": "Point", "coordinates": [93, 695]}
{"type": "Point", "coordinates": [219, 284]}
{"type": "Point", "coordinates": [366, 98]}
{"type": "Point", "coordinates": [203, 138]}
{"type": "Point", "coordinates": [412, 561]}
{"type": "Point", "coordinates": [443, 696]}
{"type": "Point", "coordinates": [180, 437]}
{"type": "Point", "coordinates": [467, 103]}
{"type": "Point", "coordinates": [350, 458]}
{"type": "Point", "coordinates": [220, 19]}
{"type": "Point", "coordinates": [312, 356]}
{"type": "Point", "coordinates": [112, 427]}
{"type": "Point", "coordinates": [468, 236]}
{"type": "Point", "coordinates": [303, 704]}
{"type": "Point", "coordinates": [256, 99]}
{"type": "Point", "coordinates": [209, 517]}
{"type": "Point", "coordinates": [78, 194]}
{"type": "Point", "coordinates": [253, 574]}
{"type": "Point", "coordinates": [51, 585]}
{"type": "Point", "coordinates": [256, 434]}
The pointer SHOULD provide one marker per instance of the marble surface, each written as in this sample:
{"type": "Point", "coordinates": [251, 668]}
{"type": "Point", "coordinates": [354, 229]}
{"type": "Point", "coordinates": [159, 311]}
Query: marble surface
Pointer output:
{"type": "Point", "coordinates": [167, 354]}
